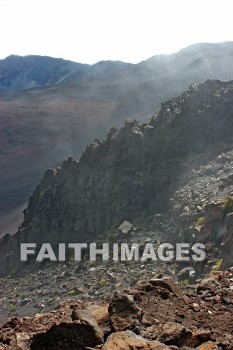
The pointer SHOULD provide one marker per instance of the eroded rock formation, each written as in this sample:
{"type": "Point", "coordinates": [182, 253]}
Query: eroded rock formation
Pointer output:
{"type": "Point", "coordinates": [134, 172]}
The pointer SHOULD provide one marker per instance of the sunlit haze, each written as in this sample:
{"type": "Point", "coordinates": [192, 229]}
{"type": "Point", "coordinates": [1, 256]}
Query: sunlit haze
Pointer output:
{"type": "Point", "coordinates": [88, 31]}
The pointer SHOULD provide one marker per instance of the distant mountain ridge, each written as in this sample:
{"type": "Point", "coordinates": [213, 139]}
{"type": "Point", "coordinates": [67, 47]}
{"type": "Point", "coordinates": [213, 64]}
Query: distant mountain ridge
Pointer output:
{"type": "Point", "coordinates": [20, 73]}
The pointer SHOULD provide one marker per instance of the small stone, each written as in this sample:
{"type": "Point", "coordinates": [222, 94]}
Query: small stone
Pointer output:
{"type": "Point", "coordinates": [124, 312]}
{"type": "Point", "coordinates": [208, 346]}
{"type": "Point", "coordinates": [128, 340]}
{"type": "Point", "coordinates": [196, 307]}
{"type": "Point", "coordinates": [125, 228]}
{"type": "Point", "coordinates": [172, 333]}
{"type": "Point", "coordinates": [198, 337]}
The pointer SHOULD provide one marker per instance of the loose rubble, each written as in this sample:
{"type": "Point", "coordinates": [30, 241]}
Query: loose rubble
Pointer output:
{"type": "Point", "coordinates": [138, 318]}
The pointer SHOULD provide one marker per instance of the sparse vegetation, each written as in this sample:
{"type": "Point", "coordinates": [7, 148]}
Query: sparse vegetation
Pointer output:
{"type": "Point", "coordinates": [174, 266]}
{"type": "Point", "coordinates": [14, 294]}
{"type": "Point", "coordinates": [110, 232]}
{"type": "Point", "coordinates": [72, 292]}
{"type": "Point", "coordinates": [218, 266]}
{"type": "Point", "coordinates": [184, 282]}
{"type": "Point", "coordinates": [200, 221]}
{"type": "Point", "coordinates": [228, 205]}
{"type": "Point", "coordinates": [102, 282]}
{"type": "Point", "coordinates": [11, 308]}
{"type": "Point", "coordinates": [71, 259]}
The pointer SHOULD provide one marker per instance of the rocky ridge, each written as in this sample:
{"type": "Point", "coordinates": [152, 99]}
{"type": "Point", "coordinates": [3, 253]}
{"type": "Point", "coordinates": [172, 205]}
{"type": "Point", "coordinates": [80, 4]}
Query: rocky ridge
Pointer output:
{"type": "Point", "coordinates": [134, 172]}
{"type": "Point", "coordinates": [71, 104]}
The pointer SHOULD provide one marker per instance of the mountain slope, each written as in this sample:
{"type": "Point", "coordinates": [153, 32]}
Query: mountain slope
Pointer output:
{"type": "Point", "coordinates": [41, 126]}
{"type": "Point", "coordinates": [133, 173]}
{"type": "Point", "coordinates": [21, 73]}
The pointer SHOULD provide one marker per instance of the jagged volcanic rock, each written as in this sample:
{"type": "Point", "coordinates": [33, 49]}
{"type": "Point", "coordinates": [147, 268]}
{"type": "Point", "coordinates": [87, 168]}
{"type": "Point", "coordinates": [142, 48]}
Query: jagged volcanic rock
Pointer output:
{"type": "Point", "coordinates": [133, 172]}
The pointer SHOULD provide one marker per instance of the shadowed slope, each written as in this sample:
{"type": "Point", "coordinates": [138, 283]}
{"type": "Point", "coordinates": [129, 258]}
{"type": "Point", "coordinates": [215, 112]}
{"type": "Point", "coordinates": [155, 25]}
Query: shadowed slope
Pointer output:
{"type": "Point", "coordinates": [41, 126]}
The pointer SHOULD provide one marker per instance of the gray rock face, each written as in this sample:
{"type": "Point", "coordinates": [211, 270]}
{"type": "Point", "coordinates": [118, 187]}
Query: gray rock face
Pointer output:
{"type": "Point", "coordinates": [134, 171]}
{"type": "Point", "coordinates": [67, 91]}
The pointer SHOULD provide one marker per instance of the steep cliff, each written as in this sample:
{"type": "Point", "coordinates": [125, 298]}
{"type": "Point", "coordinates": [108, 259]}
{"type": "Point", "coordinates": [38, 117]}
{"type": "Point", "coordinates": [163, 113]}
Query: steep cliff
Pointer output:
{"type": "Point", "coordinates": [133, 173]}
{"type": "Point", "coordinates": [67, 105]}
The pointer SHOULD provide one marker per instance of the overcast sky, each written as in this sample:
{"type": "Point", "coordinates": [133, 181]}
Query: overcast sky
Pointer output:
{"type": "Point", "coordinates": [88, 31]}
